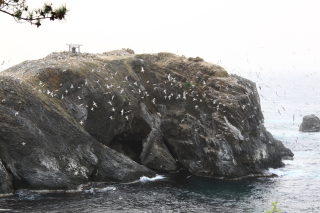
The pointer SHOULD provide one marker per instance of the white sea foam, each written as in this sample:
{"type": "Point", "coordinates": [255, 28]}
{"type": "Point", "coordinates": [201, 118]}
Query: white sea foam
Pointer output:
{"type": "Point", "coordinates": [109, 188]}
{"type": "Point", "coordinates": [146, 179]}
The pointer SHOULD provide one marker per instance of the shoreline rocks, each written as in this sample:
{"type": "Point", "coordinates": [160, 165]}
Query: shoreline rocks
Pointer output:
{"type": "Point", "coordinates": [65, 122]}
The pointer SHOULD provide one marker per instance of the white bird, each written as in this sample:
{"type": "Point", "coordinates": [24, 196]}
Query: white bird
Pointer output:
{"type": "Point", "coordinates": [127, 117]}
{"type": "Point", "coordinates": [196, 106]}
{"type": "Point", "coordinates": [81, 122]}
{"type": "Point", "coordinates": [139, 91]}
{"type": "Point", "coordinates": [122, 112]}
{"type": "Point", "coordinates": [147, 82]}
{"type": "Point", "coordinates": [66, 91]}
{"type": "Point", "coordinates": [126, 78]}
{"type": "Point", "coordinates": [92, 109]}
{"type": "Point", "coordinates": [121, 91]}
{"type": "Point", "coordinates": [95, 104]}
{"type": "Point", "coordinates": [135, 83]}
{"type": "Point", "coordinates": [169, 77]}
{"type": "Point", "coordinates": [110, 102]}
{"type": "Point", "coordinates": [111, 117]}
{"type": "Point", "coordinates": [154, 101]}
{"type": "Point", "coordinates": [113, 109]}
{"type": "Point", "coordinates": [182, 120]}
{"type": "Point", "coordinates": [159, 114]}
{"type": "Point", "coordinates": [79, 97]}
{"type": "Point", "coordinates": [62, 97]}
{"type": "Point", "coordinates": [71, 86]}
{"type": "Point", "coordinates": [142, 70]}
{"type": "Point", "coordinates": [165, 91]}
{"type": "Point", "coordinates": [17, 113]}
{"type": "Point", "coordinates": [194, 99]}
{"type": "Point", "coordinates": [112, 97]}
{"type": "Point", "coordinates": [116, 73]}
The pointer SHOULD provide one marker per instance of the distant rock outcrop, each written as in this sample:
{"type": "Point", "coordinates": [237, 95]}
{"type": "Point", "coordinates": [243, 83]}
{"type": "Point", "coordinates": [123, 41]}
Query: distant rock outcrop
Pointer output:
{"type": "Point", "coordinates": [65, 122]}
{"type": "Point", "coordinates": [310, 123]}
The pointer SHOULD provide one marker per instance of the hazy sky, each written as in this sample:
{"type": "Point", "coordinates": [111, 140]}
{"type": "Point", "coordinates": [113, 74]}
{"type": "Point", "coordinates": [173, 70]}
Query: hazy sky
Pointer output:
{"type": "Point", "coordinates": [243, 35]}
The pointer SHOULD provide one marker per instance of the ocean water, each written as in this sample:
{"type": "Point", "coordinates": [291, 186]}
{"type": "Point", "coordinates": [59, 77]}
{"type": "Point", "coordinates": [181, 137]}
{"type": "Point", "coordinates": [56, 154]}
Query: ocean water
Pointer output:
{"type": "Point", "coordinates": [285, 98]}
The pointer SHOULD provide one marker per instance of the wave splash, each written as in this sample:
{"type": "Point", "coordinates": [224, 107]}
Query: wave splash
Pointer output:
{"type": "Point", "coordinates": [144, 179]}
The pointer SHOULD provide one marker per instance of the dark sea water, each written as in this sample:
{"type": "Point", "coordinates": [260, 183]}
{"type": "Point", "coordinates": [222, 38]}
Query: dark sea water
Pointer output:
{"type": "Point", "coordinates": [296, 189]}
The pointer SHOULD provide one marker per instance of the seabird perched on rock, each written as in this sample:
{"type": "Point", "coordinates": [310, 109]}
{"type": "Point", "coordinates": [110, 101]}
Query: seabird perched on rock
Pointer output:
{"type": "Point", "coordinates": [154, 101]}
{"type": "Point", "coordinates": [94, 104]}
{"type": "Point", "coordinates": [81, 122]}
{"type": "Point", "coordinates": [17, 113]}
{"type": "Point", "coordinates": [66, 91]}
{"type": "Point", "coordinates": [92, 109]}
{"type": "Point", "coordinates": [113, 109]}
{"type": "Point", "coordinates": [110, 102]}
{"type": "Point", "coordinates": [71, 86]}
{"type": "Point", "coordinates": [127, 117]}
{"type": "Point", "coordinates": [142, 70]}
{"type": "Point", "coordinates": [122, 112]}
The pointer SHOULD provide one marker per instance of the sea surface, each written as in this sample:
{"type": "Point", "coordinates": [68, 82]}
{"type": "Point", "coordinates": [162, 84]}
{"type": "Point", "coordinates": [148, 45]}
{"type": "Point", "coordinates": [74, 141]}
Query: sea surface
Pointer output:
{"type": "Point", "coordinates": [285, 98]}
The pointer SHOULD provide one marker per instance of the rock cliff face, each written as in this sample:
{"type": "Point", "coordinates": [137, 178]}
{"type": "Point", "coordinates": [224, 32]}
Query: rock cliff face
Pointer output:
{"type": "Point", "coordinates": [64, 122]}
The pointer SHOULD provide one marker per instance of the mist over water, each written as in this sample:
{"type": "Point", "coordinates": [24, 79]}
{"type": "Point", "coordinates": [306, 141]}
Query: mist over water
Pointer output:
{"type": "Point", "coordinates": [285, 98]}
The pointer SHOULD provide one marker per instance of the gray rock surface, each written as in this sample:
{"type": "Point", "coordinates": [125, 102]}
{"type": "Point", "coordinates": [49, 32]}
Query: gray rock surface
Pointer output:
{"type": "Point", "coordinates": [64, 122]}
{"type": "Point", "coordinates": [155, 154]}
{"type": "Point", "coordinates": [310, 123]}
{"type": "Point", "coordinates": [5, 181]}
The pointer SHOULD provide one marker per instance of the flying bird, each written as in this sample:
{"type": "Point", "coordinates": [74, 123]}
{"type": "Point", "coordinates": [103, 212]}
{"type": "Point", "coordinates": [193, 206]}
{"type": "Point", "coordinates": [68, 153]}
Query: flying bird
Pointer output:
{"type": "Point", "coordinates": [95, 104]}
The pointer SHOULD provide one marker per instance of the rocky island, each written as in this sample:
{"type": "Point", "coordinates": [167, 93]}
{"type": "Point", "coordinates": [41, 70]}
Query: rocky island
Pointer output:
{"type": "Point", "coordinates": [117, 117]}
{"type": "Point", "coordinates": [310, 123]}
